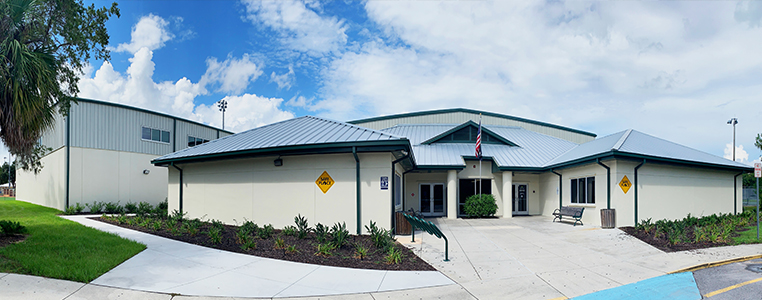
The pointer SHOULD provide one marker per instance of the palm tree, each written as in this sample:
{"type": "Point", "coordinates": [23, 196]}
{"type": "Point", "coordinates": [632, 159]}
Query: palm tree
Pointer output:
{"type": "Point", "coordinates": [29, 87]}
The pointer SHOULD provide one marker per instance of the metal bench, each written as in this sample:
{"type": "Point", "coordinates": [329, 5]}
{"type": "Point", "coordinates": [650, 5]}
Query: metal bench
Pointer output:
{"type": "Point", "coordinates": [429, 227]}
{"type": "Point", "coordinates": [571, 212]}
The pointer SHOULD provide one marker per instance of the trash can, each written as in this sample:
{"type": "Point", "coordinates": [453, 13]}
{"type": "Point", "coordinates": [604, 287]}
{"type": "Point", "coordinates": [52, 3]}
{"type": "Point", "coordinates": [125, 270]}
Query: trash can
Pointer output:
{"type": "Point", "coordinates": [608, 218]}
{"type": "Point", "coordinates": [402, 227]}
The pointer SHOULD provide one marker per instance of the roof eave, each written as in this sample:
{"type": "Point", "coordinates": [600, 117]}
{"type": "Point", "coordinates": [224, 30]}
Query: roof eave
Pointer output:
{"type": "Point", "coordinates": [613, 154]}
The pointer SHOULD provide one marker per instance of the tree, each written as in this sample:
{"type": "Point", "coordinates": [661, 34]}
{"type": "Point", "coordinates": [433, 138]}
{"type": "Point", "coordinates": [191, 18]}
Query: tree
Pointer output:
{"type": "Point", "coordinates": [44, 45]}
{"type": "Point", "coordinates": [5, 173]}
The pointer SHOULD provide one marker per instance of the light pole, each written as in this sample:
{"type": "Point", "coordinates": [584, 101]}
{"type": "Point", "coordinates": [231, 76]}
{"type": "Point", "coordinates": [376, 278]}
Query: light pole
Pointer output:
{"type": "Point", "coordinates": [8, 189]}
{"type": "Point", "coordinates": [733, 122]}
{"type": "Point", "coordinates": [223, 105]}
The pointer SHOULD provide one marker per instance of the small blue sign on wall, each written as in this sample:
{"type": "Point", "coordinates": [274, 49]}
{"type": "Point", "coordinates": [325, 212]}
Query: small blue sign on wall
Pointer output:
{"type": "Point", "coordinates": [384, 182]}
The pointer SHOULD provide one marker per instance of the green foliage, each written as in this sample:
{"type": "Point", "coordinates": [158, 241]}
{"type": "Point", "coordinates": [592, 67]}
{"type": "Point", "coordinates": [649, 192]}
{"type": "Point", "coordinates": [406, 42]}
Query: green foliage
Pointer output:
{"type": "Point", "coordinates": [192, 226]}
{"type": "Point", "coordinates": [113, 208]}
{"type": "Point", "coordinates": [44, 46]}
{"type": "Point", "coordinates": [130, 208]}
{"type": "Point", "coordinates": [302, 226]}
{"type": "Point", "coordinates": [144, 208]}
{"type": "Point", "coordinates": [77, 208]}
{"type": "Point", "coordinates": [290, 230]}
{"type": "Point", "coordinates": [393, 256]}
{"type": "Point", "coordinates": [361, 251]}
{"type": "Point", "coordinates": [325, 249]}
{"type": "Point", "coordinates": [242, 234]}
{"type": "Point", "coordinates": [250, 227]}
{"type": "Point", "coordinates": [321, 233]}
{"type": "Point", "coordinates": [11, 227]}
{"type": "Point", "coordinates": [157, 225]}
{"type": "Point", "coordinates": [96, 207]}
{"type": "Point", "coordinates": [291, 249]}
{"type": "Point", "coordinates": [481, 205]}
{"type": "Point", "coordinates": [381, 238]}
{"type": "Point", "coordinates": [248, 243]}
{"type": "Point", "coordinates": [339, 234]}
{"type": "Point", "coordinates": [266, 231]}
{"type": "Point", "coordinates": [4, 172]}
{"type": "Point", "coordinates": [161, 209]}
{"type": "Point", "coordinates": [177, 215]}
{"type": "Point", "coordinates": [279, 243]}
{"type": "Point", "coordinates": [214, 233]}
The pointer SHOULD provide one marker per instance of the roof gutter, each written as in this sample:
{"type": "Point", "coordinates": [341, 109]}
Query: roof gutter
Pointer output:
{"type": "Point", "coordinates": [359, 200]}
{"type": "Point", "coordinates": [636, 190]}
{"type": "Point", "coordinates": [560, 188]}
{"type": "Point", "coordinates": [180, 199]}
{"type": "Point", "coordinates": [608, 183]}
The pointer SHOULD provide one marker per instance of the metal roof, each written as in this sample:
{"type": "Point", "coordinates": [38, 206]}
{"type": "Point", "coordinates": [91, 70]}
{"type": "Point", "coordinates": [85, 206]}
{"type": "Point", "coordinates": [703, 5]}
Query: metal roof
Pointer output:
{"type": "Point", "coordinates": [533, 150]}
{"type": "Point", "coordinates": [637, 143]}
{"type": "Point", "coordinates": [307, 131]}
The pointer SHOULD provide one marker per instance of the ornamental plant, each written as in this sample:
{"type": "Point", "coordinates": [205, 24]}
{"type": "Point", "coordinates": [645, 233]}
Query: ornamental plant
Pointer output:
{"type": "Point", "coordinates": [480, 205]}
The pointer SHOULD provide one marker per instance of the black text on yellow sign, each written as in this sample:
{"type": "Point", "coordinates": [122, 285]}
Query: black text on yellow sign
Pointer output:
{"type": "Point", "coordinates": [324, 182]}
{"type": "Point", "coordinates": [625, 184]}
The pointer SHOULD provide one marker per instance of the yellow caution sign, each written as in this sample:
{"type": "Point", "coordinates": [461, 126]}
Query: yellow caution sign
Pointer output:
{"type": "Point", "coordinates": [625, 184]}
{"type": "Point", "coordinates": [324, 182]}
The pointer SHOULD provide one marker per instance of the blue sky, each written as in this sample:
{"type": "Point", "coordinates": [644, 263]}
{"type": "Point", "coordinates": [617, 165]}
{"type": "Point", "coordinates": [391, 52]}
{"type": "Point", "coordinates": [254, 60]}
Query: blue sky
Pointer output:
{"type": "Point", "coordinates": [676, 70]}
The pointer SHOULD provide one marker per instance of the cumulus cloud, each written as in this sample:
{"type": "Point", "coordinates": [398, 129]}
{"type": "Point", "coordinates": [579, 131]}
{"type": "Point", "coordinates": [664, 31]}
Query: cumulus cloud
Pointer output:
{"type": "Point", "coordinates": [136, 87]}
{"type": "Point", "coordinates": [232, 75]}
{"type": "Point", "coordinates": [150, 32]}
{"type": "Point", "coordinates": [741, 155]}
{"type": "Point", "coordinates": [300, 27]}
{"type": "Point", "coordinates": [284, 80]}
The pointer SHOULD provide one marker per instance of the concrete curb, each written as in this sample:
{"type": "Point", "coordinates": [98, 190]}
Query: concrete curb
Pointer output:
{"type": "Point", "coordinates": [716, 263]}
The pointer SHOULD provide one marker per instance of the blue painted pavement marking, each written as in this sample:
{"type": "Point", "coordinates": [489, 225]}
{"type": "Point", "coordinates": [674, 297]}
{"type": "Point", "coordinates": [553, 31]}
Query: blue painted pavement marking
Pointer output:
{"type": "Point", "coordinates": [680, 286]}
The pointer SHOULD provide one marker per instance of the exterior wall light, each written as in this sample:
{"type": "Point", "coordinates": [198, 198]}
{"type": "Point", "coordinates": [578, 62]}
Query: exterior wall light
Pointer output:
{"type": "Point", "coordinates": [278, 162]}
{"type": "Point", "coordinates": [146, 171]}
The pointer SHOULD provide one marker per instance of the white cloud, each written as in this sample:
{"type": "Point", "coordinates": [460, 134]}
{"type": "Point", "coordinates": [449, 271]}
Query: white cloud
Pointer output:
{"type": "Point", "coordinates": [233, 75]}
{"type": "Point", "coordinates": [741, 155]}
{"type": "Point", "coordinates": [284, 80]}
{"type": "Point", "coordinates": [150, 32]}
{"type": "Point", "coordinates": [244, 112]}
{"type": "Point", "coordinates": [136, 87]}
{"type": "Point", "coordinates": [299, 25]}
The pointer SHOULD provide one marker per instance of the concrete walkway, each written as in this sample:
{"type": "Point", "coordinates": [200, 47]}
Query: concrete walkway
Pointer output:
{"type": "Point", "coordinates": [534, 258]}
{"type": "Point", "coordinates": [172, 267]}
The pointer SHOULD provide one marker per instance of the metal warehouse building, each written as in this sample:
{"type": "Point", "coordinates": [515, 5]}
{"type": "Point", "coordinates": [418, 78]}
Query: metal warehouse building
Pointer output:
{"type": "Point", "coordinates": [365, 170]}
{"type": "Point", "coordinates": [102, 152]}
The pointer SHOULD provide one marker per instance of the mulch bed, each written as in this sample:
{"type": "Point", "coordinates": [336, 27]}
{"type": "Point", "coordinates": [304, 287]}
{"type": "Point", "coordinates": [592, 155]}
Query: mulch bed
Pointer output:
{"type": "Point", "coordinates": [6, 240]}
{"type": "Point", "coordinates": [662, 243]}
{"type": "Point", "coordinates": [343, 257]}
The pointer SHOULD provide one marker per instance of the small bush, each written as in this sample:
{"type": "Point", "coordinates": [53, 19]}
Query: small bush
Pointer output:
{"type": "Point", "coordinates": [321, 233]}
{"type": "Point", "coordinates": [302, 226]}
{"type": "Point", "coordinates": [339, 234]}
{"type": "Point", "coordinates": [482, 205]}
{"type": "Point", "coordinates": [96, 207]}
{"type": "Point", "coordinates": [177, 215]}
{"type": "Point", "coordinates": [144, 208]}
{"type": "Point", "coordinates": [161, 209]}
{"type": "Point", "coordinates": [290, 230]}
{"type": "Point", "coordinates": [291, 249]}
{"type": "Point", "coordinates": [77, 208]}
{"type": "Point", "coordinates": [279, 243]}
{"type": "Point", "coordinates": [113, 208]}
{"type": "Point", "coordinates": [381, 238]}
{"type": "Point", "coordinates": [266, 231]}
{"type": "Point", "coordinates": [325, 249]}
{"type": "Point", "coordinates": [248, 243]}
{"type": "Point", "coordinates": [192, 226]}
{"type": "Point", "coordinates": [393, 256]}
{"type": "Point", "coordinates": [10, 227]}
{"type": "Point", "coordinates": [130, 208]}
{"type": "Point", "coordinates": [215, 234]}
{"type": "Point", "coordinates": [361, 251]}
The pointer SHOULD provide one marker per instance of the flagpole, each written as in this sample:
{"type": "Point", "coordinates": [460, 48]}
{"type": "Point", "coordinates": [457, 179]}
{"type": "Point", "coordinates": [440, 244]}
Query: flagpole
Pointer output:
{"type": "Point", "coordinates": [480, 158]}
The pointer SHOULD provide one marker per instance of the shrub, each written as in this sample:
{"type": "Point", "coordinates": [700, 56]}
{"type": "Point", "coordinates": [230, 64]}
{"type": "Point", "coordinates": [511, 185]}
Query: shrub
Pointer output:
{"type": "Point", "coordinates": [302, 226]}
{"type": "Point", "coordinates": [215, 234]}
{"type": "Point", "coordinates": [339, 234]}
{"type": "Point", "coordinates": [289, 230]}
{"type": "Point", "coordinates": [77, 208]}
{"type": "Point", "coordinates": [113, 208]}
{"type": "Point", "coordinates": [393, 256]}
{"type": "Point", "coordinates": [157, 225]}
{"type": "Point", "coordinates": [242, 235]}
{"type": "Point", "coordinates": [143, 209]}
{"type": "Point", "coordinates": [381, 238]}
{"type": "Point", "coordinates": [291, 249]}
{"type": "Point", "coordinates": [266, 231]}
{"type": "Point", "coordinates": [10, 227]}
{"type": "Point", "coordinates": [192, 226]}
{"type": "Point", "coordinates": [248, 243]}
{"type": "Point", "coordinates": [279, 243]}
{"type": "Point", "coordinates": [177, 216]}
{"type": "Point", "coordinates": [361, 251]}
{"type": "Point", "coordinates": [482, 205]}
{"type": "Point", "coordinates": [96, 207]}
{"type": "Point", "coordinates": [321, 233]}
{"type": "Point", "coordinates": [325, 249]}
{"type": "Point", "coordinates": [161, 209]}
{"type": "Point", "coordinates": [250, 227]}
{"type": "Point", "coordinates": [130, 208]}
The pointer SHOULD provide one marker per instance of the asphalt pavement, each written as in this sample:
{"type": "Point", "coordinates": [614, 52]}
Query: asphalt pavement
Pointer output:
{"type": "Point", "coordinates": [734, 281]}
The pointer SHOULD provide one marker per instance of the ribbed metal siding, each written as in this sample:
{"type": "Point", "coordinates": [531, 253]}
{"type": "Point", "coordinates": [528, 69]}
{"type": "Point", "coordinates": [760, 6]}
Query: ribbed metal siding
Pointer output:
{"type": "Point", "coordinates": [462, 117]}
{"type": "Point", "coordinates": [113, 128]}
{"type": "Point", "coordinates": [55, 137]}
{"type": "Point", "coordinates": [185, 129]}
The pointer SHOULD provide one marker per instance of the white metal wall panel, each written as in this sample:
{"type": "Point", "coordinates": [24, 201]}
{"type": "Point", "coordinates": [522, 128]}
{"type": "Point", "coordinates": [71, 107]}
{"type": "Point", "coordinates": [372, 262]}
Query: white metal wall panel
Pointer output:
{"type": "Point", "coordinates": [462, 117]}
{"type": "Point", "coordinates": [55, 137]}
{"type": "Point", "coordinates": [185, 129]}
{"type": "Point", "coordinates": [108, 127]}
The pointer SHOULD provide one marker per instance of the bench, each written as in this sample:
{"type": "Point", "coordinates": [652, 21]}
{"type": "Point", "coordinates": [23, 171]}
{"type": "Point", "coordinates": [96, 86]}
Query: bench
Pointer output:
{"type": "Point", "coordinates": [571, 212]}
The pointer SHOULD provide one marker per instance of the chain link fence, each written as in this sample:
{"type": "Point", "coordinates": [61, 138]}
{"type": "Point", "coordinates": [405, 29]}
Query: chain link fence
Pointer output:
{"type": "Point", "coordinates": [750, 196]}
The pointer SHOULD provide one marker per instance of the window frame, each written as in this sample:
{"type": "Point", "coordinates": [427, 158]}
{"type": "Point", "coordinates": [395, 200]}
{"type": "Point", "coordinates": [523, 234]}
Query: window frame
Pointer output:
{"type": "Point", "coordinates": [161, 134]}
{"type": "Point", "coordinates": [196, 141]}
{"type": "Point", "coordinates": [582, 190]}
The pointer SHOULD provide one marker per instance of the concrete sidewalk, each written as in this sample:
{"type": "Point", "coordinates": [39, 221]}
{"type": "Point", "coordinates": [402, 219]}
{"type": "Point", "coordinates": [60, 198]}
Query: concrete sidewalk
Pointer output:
{"type": "Point", "coordinates": [173, 267]}
{"type": "Point", "coordinates": [534, 258]}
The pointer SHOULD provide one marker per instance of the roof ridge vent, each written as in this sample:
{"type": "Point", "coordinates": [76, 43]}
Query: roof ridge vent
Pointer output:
{"type": "Point", "coordinates": [621, 140]}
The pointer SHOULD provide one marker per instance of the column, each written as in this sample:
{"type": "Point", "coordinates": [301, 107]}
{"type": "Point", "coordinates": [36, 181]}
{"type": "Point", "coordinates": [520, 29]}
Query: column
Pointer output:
{"type": "Point", "coordinates": [452, 194]}
{"type": "Point", "coordinates": [507, 194]}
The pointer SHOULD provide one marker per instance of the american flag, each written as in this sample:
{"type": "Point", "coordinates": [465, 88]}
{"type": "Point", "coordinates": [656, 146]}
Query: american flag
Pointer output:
{"type": "Point", "coordinates": [479, 139]}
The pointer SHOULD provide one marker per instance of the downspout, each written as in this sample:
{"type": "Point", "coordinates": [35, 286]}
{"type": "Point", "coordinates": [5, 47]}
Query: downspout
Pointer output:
{"type": "Point", "coordinates": [181, 187]}
{"type": "Point", "coordinates": [394, 224]}
{"type": "Point", "coordinates": [560, 189]}
{"type": "Point", "coordinates": [608, 183]}
{"type": "Point", "coordinates": [636, 190]}
{"type": "Point", "coordinates": [735, 192]}
{"type": "Point", "coordinates": [359, 208]}
{"type": "Point", "coordinates": [68, 158]}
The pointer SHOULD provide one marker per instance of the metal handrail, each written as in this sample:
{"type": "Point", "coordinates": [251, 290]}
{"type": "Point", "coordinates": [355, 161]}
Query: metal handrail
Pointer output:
{"type": "Point", "coordinates": [429, 228]}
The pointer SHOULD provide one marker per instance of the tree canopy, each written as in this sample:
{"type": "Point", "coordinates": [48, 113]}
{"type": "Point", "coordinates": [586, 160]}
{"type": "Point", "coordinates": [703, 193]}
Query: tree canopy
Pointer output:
{"type": "Point", "coordinates": [44, 45]}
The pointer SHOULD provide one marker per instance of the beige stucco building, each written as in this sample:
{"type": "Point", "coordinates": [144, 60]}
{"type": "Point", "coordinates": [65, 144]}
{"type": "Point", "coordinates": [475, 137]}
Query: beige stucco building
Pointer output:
{"type": "Point", "coordinates": [426, 161]}
{"type": "Point", "coordinates": [102, 152]}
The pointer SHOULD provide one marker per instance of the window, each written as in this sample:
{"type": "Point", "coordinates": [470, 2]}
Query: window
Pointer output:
{"type": "Point", "coordinates": [470, 187]}
{"type": "Point", "coordinates": [397, 190]}
{"type": "Point", "coordinates": [193, 141]}
{"type": "Point", "coordinates": [150, 134]}
{"type": "Point", "coordinates": [583, 190]}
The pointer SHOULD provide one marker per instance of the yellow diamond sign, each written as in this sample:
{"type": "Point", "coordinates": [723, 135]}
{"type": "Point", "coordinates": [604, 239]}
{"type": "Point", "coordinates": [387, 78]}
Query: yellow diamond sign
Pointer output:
{"type": "Point", "coordinates": [324, 182]}
{"type": "Point", "coordinates": [625, 184]}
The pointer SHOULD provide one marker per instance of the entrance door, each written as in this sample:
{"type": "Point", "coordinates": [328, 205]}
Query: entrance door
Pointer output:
{"type": "Point", "coordinates": [432, 199]}
{"type": "Point", "coordinates": [470, 187]}
{"type": "Point", "coordinates": [520, 199]}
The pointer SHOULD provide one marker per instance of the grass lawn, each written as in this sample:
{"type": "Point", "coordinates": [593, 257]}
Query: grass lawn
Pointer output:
{"type": "Point", "coordinates": [59, 248]}
{"type": "Point", "coordinates": [749, 236]}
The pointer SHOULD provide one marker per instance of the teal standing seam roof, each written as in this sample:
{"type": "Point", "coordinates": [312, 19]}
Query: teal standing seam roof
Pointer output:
{"type": "Point", "coordinates": [302, 131]}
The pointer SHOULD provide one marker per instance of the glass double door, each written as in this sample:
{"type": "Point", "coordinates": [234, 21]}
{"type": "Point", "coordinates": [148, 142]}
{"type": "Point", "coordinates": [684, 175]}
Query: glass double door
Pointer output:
{"type": "Point", "coordinates": [520, 199]}
{"type": "Point", "coordinates": [432, 199]}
